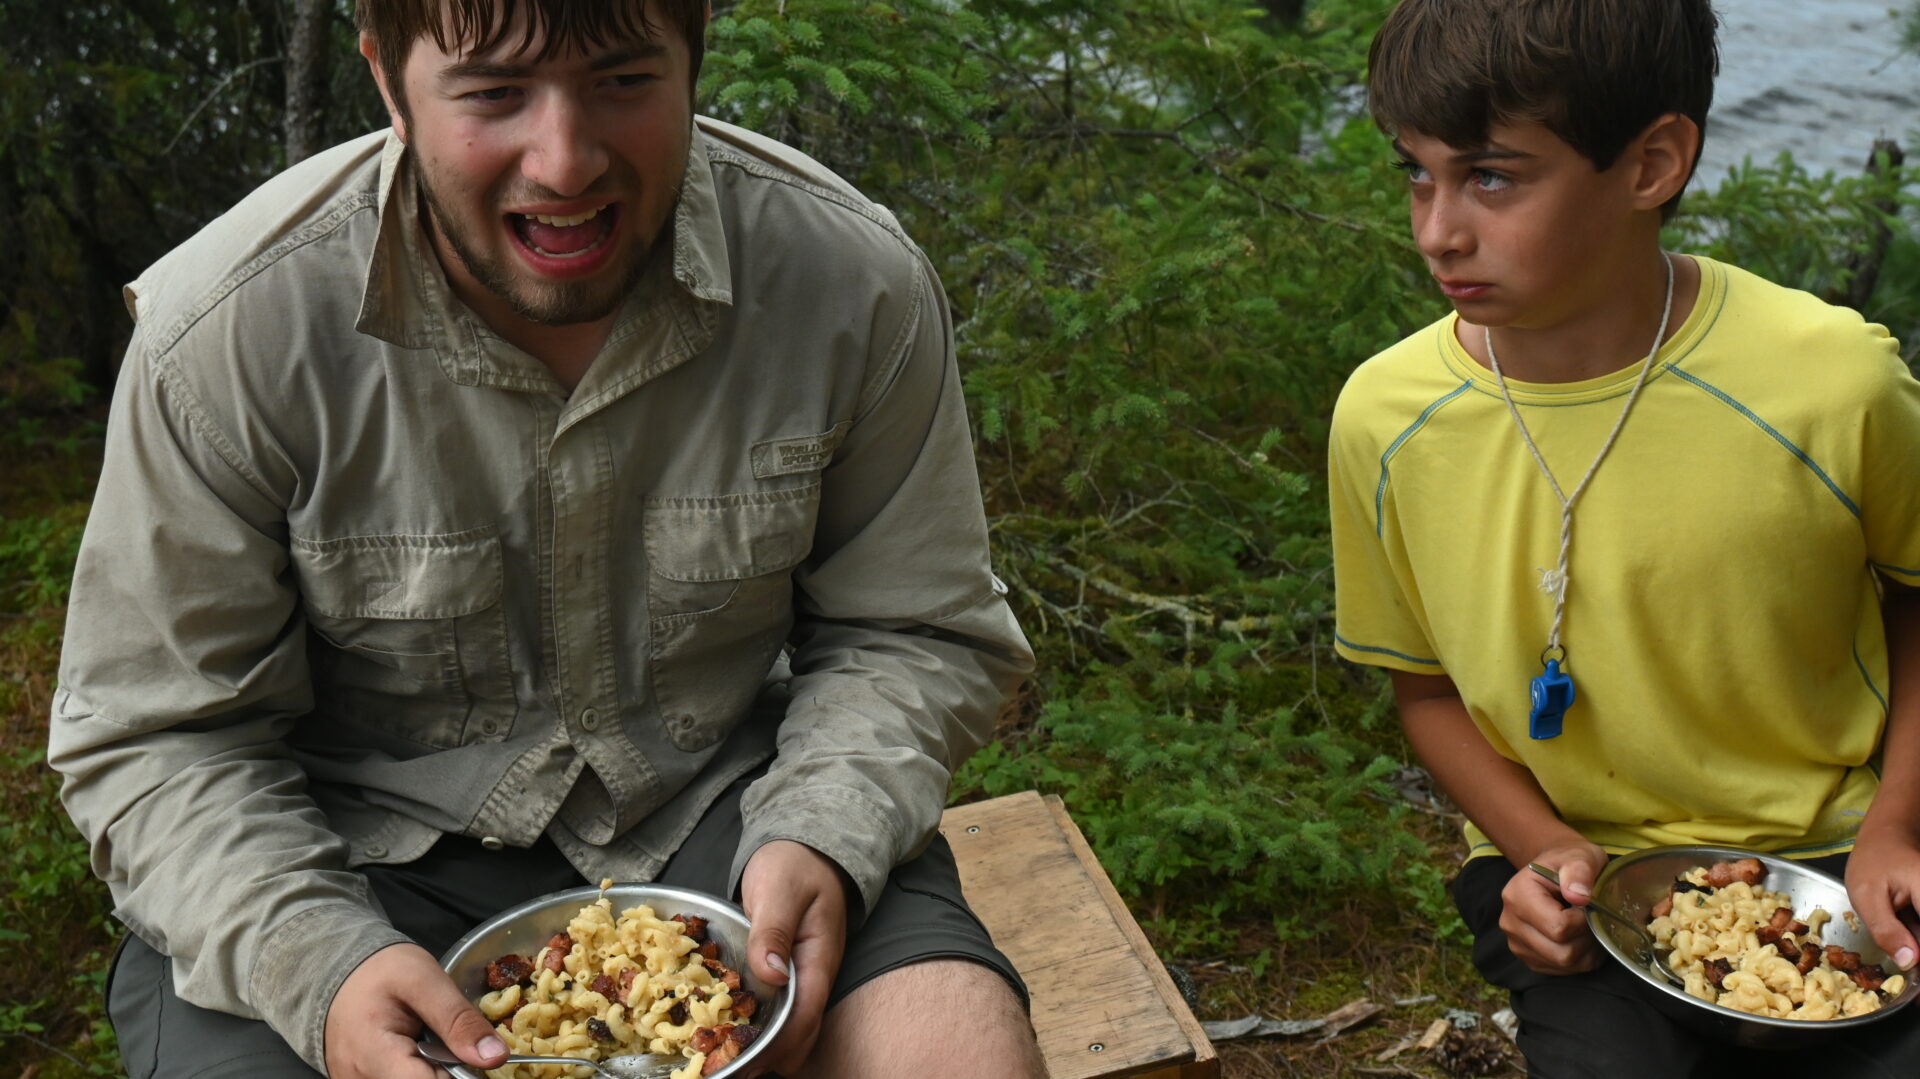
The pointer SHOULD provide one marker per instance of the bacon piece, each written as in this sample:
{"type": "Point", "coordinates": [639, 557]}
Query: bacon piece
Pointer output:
{"type": "Point", "coordinates": [705, 1039]}
{"type": "Point", "coordinates": [1716, 970]}
{"type": "Point", "coordinates": [1662, 908]}
{"type": "Point", "coordinates": [710, 950]}
{"type": "Point", "coordinates": [600, 1030]}
{"type": "Point", "coordinates": [1797, 927]}
{"type": "Point", "coordinates": [602, 985]}
{"type": "Point", "coordinates": [1842, 960]}
{"type": "Point", "coordinates": [1809, 959]}
{"type": "Point", "coordinates": [1787, 948]}
{"type": "Point", "coordinates": [1782, 918]}
{"type": "Point", "coordinates": [1749, 871]}
{"type": "Point", "coordinates": [696, 926]}
{"type": "Point", "coordinates": [1768, 934]}
{"type": "Point", "coordinates": [1868, 976]}
{"type": "Point", "coordinates": [745, 1003]}
{"type": "Point", "coordinates": [626, 981]}
{"type": "Point", "coordinates": [736, 1037]}
{"type": "Point", "coordinates": [507, 970]}
{"type": "Point", "coordinates": [1719, 875]}
{"type": "Point", "coordinates": [558, 946]}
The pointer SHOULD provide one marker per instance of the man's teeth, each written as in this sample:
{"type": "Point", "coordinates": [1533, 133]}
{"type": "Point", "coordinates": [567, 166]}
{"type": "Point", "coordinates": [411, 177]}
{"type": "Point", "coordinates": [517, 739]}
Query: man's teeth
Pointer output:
{"type": "Point", "coordinates": [564, 222]}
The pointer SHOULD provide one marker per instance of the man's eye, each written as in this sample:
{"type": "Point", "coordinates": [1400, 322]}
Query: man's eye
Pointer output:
{"type": "Point", "coordinates": [632, 80]}
{"type": "Point", "coordinates": [492, 95]}
{"type": "Point", "coordinates": [1491, 181]}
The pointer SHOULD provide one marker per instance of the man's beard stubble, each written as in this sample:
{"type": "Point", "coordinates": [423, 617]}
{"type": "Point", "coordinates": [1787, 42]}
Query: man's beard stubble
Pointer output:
{"type": "Point", "coordinates": [545, 303]}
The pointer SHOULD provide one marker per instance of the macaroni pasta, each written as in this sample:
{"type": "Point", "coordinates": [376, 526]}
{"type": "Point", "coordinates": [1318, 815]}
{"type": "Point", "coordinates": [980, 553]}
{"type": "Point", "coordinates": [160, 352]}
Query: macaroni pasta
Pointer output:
{"type": "Point", "coordinates": [1739, 946]}
{"type": "Point", "coordinates": [608, 986]}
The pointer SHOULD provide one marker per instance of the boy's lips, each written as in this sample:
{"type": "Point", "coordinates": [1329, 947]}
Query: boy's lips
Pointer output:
{"type": "Point", "coordinates": [1463, 290]}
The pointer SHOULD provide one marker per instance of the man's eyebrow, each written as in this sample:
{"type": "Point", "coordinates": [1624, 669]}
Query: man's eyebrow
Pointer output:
{"type": "Point", "coordinates": [496, 69]}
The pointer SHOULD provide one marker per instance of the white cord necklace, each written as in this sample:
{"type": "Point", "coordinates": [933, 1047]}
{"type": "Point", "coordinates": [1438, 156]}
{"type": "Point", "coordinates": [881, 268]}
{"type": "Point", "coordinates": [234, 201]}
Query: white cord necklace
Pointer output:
{"type": "Point", "coordinates": [1551, 693]}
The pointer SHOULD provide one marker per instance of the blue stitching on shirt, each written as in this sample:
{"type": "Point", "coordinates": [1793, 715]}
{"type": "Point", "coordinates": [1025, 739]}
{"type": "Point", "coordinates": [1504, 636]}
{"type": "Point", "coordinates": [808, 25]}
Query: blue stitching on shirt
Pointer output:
{"type": "Point", "coordinates": [1895, 569]}
{"type": "Point", "coordinates": [1777, 437]}
{"type": "Point", "coordinates": [1385, 652]}
{"type": "Point", "coordinates": [1863, 673]}
{"type": "Point", "coordinates": [1380, 492]}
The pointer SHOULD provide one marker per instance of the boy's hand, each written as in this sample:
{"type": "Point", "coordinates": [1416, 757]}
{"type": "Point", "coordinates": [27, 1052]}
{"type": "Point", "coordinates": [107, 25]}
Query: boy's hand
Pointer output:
{"type": "Point", "coordinates": [1544, 934]}
{"type": "Point", "coordinates": [1883, 880]}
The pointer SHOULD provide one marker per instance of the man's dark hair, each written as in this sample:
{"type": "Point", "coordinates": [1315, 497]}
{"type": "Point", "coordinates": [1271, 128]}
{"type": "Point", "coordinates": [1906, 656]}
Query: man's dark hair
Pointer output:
{"type": "Point", "coordinates": [1594, 72]}
{"type": "Point", "coordinates": [395, 25]}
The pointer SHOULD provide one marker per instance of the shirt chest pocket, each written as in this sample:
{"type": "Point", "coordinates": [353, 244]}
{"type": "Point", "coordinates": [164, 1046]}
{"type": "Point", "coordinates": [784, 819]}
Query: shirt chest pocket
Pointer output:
{"type": "Point", "coordinates": [720, 603]}
{"type": "Point", "coordinates": [409, 634]}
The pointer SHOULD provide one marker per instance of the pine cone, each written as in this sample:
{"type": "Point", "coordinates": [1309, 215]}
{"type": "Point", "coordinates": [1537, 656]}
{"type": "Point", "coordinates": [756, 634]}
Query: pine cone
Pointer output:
{"type": "Point", "coordinates": [1465, 1054]}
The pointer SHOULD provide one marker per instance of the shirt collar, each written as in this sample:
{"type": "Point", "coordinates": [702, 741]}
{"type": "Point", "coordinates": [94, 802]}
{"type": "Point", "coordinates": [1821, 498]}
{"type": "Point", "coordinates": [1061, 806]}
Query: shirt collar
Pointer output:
{"type": "Point", "coordinates": [405, 299]}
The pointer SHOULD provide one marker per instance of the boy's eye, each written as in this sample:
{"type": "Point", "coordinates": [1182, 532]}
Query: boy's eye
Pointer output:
{"type": "Point", "coordinates": [1491, 181]}
{"type": "Point", "coordinates": [492, 95]}
{"type": "Point", "coordinates": [632, 80]}
{"type": "Point", "coordinates": [1413, 171]}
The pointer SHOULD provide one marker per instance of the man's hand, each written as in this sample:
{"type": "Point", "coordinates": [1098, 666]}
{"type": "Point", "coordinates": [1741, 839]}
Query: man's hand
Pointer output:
{"type": "Point", "coordinates": [1547, 937]}
{"type": "Point", "coordinates": [378, 1012]}
{"type": "Point", "coordinates": [1883, 880]}
{"type": "Point", "coordinates": [797, 900]}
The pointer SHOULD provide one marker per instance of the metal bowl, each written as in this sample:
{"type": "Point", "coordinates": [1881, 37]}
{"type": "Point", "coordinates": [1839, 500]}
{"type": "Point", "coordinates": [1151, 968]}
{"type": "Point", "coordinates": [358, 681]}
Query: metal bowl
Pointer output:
{"type": "Point", "coordinates": [1633, 883]}
{"type": "Point", "coordinates": [524, 929]}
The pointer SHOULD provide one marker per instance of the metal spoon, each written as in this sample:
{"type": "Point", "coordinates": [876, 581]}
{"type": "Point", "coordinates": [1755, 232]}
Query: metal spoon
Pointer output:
{"type": "Point", "coordinates": [1648, 955]}
{"type": "Point", "coordinates": [630, 1066]}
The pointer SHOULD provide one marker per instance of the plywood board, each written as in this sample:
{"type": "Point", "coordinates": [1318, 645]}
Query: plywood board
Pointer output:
{"type": "Point", "coordinates": [1103, 1006]}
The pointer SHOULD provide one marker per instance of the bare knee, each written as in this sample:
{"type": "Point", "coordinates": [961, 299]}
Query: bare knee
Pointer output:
{"type": "Point", "coordinates": [939, 1019]}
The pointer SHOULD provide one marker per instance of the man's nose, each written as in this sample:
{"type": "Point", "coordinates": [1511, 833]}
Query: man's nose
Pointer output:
{"type": "Point", "coordinates": [1440, 225]}
{"type": "Point", "coordinates": [565, 153]}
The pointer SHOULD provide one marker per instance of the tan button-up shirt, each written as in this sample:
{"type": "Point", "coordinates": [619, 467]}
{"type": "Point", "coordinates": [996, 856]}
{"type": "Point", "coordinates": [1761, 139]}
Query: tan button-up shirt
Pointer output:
{"type": "Point", "coordinates": [360, 573]}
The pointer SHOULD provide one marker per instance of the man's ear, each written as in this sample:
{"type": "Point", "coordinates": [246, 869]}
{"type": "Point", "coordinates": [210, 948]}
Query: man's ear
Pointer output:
{"type": "Point", "coordinates": [394, 113]}
{"type": "Point", "coordinates": [1664, 155]}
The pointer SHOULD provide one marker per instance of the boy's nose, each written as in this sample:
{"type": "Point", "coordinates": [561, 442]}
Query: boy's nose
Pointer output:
{"type": "Point", "coordinates": [1439, 227]}
{"type": "Point", "coordinates": [564, 153]}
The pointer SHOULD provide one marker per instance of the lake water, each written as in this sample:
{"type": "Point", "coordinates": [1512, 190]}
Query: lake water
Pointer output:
{"type": "Point", "coordinates": [1822, 78]}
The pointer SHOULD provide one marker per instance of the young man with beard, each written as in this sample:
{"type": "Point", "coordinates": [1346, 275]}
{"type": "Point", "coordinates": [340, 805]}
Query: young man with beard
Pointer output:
{"type": "Point", "coordinates": [554, 487]}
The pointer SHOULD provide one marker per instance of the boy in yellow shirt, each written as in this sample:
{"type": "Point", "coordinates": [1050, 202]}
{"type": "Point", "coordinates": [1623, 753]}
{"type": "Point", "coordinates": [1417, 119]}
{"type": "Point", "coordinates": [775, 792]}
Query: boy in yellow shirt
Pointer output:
{"type": "Point", "coordinates": [1632, 530]}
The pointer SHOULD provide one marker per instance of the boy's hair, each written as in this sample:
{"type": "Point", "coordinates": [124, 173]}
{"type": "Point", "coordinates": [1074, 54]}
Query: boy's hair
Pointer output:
{"type": "Point", "coordinates": [395, 25]}
{"type": "Point", "coordinates": [1594, 72]}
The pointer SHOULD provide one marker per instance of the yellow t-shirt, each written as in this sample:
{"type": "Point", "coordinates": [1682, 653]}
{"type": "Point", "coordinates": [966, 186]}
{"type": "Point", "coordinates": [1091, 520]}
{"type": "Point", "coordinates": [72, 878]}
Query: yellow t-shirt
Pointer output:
{"type": "Point", "coordinates": [1723, 624]}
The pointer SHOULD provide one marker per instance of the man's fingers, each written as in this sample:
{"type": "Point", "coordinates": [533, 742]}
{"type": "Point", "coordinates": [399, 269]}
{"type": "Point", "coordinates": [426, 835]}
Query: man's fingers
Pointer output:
{"type": "Point", "coordinates": [770, 942]}
{"type": "Point", "coordinates": [454, 1019]}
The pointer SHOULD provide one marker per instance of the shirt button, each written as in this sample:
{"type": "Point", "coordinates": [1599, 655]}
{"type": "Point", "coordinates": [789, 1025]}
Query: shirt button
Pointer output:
{"type": "Point", "coordinates": [682, 721]}
{"type": "Point", "coordinates": [492, 842]}
{"type": "Point", "coordinates": [490, 726]}
{"type": "Point", "coordinates": [589, 720]}
{"type": "Point", "coordinates": [376, 851]}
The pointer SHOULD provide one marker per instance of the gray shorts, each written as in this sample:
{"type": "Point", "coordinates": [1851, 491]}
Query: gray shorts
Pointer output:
{"type": "Point", "coordinates": [921, 915]}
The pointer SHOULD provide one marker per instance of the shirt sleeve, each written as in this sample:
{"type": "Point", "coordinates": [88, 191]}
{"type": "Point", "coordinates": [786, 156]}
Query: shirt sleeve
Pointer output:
{"type": "Point", "coordinates": [904, 645]}
{"type": "Point", "coordinates": [1377, 620]}
{"type": "Point", "coordinates": [1890, 510]}
{"type": "Point", "coordinates": [184, 667]}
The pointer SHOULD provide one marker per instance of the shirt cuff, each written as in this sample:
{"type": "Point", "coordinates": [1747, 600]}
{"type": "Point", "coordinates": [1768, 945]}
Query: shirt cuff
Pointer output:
{"type": "Point", "coordinates": [302, 964]}
{"type": "Point", "coordinates": [851, 830]}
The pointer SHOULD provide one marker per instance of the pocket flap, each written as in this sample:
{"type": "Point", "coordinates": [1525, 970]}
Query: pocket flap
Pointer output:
{"type": "Point", "coordinates": [444, 576]}
{"type": "Point", "coordinates": [719, 539]}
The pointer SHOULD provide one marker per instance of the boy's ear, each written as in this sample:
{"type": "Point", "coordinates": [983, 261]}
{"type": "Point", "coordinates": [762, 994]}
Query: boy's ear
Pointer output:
{"type": "Point", "coordinates": [1663, 157]}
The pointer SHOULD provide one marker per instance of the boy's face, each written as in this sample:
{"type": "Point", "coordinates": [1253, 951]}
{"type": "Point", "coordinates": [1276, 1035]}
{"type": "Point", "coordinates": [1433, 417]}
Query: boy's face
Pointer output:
{"type": "Point", "coordinates": [548, 182]}
{"type": "Point", "coordinates": [1522, 231]}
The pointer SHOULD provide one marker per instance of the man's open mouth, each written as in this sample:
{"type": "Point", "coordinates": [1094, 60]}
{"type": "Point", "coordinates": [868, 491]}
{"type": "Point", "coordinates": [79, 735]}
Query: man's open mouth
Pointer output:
{"type": "Point", "coordinates": [570, 236]}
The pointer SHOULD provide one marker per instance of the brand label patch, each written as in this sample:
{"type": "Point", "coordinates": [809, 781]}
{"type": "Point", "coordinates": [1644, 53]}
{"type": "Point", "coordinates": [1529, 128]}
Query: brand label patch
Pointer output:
{"type": "Point", "coordinates": [787, 456]}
